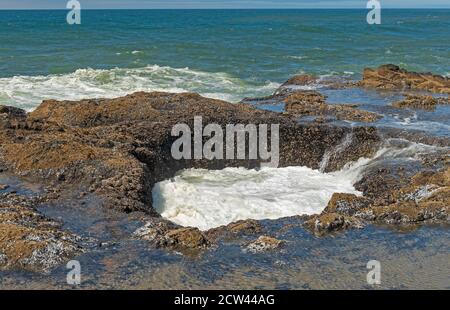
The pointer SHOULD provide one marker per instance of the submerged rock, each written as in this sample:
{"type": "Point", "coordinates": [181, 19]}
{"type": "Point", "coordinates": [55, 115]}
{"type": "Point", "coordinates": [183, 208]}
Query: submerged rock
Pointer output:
{"type": "Point", "coordinates": [30, 241]}
{"type": "Point", "coordinates": [392, 77]}
{"type": "Point", "coordinates": [300, 80]}
{"type": "Point", "coordinates": [264, 244]}
{"type": "Point", "coordinates": [313, 103]}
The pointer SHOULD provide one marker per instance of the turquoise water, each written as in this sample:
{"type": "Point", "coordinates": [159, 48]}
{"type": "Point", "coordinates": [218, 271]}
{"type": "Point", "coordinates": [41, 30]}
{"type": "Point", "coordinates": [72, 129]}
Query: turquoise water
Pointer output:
{"type": "Point", "coordinates": [228, 54]}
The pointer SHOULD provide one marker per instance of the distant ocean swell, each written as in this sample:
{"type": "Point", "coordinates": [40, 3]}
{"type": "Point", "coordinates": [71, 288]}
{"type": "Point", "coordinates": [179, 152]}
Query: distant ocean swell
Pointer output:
{"type": "Point", "coordinates": [28, 91]}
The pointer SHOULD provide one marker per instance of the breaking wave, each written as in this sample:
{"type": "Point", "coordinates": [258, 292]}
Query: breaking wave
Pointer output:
{"type": "Point", "coordinates": [28, 91]}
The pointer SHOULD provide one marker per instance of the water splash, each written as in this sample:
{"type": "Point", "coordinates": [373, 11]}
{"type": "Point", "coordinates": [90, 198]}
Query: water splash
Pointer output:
{"type": "Point", "coordinates": [28, 91]}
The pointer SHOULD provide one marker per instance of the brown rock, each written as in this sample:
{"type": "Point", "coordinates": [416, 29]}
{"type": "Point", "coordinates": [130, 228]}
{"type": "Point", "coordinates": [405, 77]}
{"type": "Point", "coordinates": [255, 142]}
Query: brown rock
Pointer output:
{"type": "Point", "coordinates": [303, 103]}
{"type": "Point", "coordinates": [119, 148]}
{"type": "Point", "coordinates": [264, 244]}
{"type": "Point", "coordinates": [232, 230]}
{"type": "Point", "coordinates": [392, 77]}
{"type": "Point", "coordinates": [187, 237]}
{"type": "Point", "coordinates": [426, 102]}
{"type": "Point", "coordinates": [301, 80]}
{"type": "Point", "coordinates": [167, 235]}
{"type": "Point", "coordinates": [30, 241]}
{"type": "Point", "coordinates": [345, 204]}
{"type": "Point", "coordinates": [331, 222]}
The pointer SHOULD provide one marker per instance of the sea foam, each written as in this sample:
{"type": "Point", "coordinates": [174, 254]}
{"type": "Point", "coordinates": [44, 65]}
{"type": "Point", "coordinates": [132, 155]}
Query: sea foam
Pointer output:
{"type": "Point", "coordinates": [210, 198]}
{"type": "Point", "coordinates": [27, 92]}
{"type": "Point", "coordinates": [207, 199]}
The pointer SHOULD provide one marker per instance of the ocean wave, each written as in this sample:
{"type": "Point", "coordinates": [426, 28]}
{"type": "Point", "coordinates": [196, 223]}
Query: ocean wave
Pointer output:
{"type": "Point", "coordinates": [28, 91]}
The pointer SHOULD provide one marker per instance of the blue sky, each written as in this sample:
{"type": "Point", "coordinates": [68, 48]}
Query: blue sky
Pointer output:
{"type": "Point", "coordinates": [151, 4]}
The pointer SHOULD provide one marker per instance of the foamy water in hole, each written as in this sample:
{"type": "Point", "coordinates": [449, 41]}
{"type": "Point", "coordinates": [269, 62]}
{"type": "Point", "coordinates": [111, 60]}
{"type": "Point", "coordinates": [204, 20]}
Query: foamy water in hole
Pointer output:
{"type": "Point", "coordinates": [208, 199]}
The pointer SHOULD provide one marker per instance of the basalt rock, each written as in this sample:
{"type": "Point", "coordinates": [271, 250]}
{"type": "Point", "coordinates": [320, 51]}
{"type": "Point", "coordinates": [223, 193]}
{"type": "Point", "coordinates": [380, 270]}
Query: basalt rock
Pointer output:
{"type": "Point", "coordinates": [423, 197]}
{"type": "Point", "coordinates": [300, 80]}
{"type": "Point", "coordinates": [264, 244]}
{"type": "Point", "coordinates": [236, 229]}
{"type": "Point", "coordinates": [303, 103]}
{"type": "Point", "coordinates": [119, 148]}
{"type": "Point", "coordinates": [346, 204]}
{"type": "Point", "coordinates": [331, 222]}
{"type": "Point", "coordinates": [391, 77]}
{"type": "Point", "coordinates": [165, 234]}
{"type": "Point", "coordinates": [31, 241]}
{"type": "Point", "coordinates": [425, 102]}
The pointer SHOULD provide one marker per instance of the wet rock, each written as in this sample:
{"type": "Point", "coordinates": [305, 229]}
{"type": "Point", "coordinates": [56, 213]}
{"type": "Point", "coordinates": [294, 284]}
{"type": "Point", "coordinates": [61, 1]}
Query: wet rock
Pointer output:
{"type": "Point", "coordinates": [406, 213]}
{"type": "Point", "coordinates": [233, 230]}
{"type": "Point", "coordinates": [10, 117]}
{"type": "Point", "coordinates": [187, 237]}
{"type": "Point", "coordinates": [345, 204]}
{"type": "Point", "coordinates": [392, 77]}
{"type": "Point", "coordinates": [264, 244]}
{"type": "Point", "coordinates": [424, 197]}
{"type": "Point", "coordinates": [301, 80]}
{"type": "Point", "coordinates": [3, 187]}
{"type": "Point", "coordinates": [167, 235]}
{"type": "Point", "coordinates": [119, 148]}
{"type": "Point", "coordinates": [360, 142]}
{"type": "Point", "coordinates": [303, 103]}
{"type": "Point", "coordinates": [30, 241]}
{"type": "Point", "coordinates": [426, 102]}
{"type": "Point", "coordinates": [331, 222]}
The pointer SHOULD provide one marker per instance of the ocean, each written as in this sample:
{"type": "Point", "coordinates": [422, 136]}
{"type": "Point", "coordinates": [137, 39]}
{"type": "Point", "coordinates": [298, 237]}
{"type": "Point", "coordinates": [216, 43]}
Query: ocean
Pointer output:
{"type": "Point", "coordinates": [225, 54]}
{"type": "Point", "coordinates": [229, 55]}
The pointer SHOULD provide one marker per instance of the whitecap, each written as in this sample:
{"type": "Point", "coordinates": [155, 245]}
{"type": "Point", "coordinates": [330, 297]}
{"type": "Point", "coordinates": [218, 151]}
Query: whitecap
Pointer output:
{"type": "Point", "coordinates": [28, 91]}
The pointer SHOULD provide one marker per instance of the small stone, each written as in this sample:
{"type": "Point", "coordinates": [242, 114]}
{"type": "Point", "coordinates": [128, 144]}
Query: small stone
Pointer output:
{"type": "Point", "coordinates": [264, 243]}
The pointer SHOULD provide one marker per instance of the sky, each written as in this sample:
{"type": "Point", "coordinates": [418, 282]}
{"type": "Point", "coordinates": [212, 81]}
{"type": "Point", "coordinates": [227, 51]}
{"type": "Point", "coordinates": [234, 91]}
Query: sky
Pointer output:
{"type": "Point", "coordinates": [195, 4]}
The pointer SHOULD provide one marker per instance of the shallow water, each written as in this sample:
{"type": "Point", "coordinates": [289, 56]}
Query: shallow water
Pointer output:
{"type": "Point", "coordinates": [412, 260]}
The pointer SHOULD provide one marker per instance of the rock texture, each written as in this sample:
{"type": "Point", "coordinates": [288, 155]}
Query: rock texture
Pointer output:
{"type": "Point", "coordinates": [302, 103]}
{"type": "Point", "coordinates": [423, 197]}
{"type": "Point", "coordinates": [426, 102]}
{"type": "Point", "coordinates": [391, 77]}
{"type": "Point", "coordinates": [264, 244]}
{"type": "Point", "coordinates": [119, 148]}
{"type": "Point", "coordinates": [30, 241]}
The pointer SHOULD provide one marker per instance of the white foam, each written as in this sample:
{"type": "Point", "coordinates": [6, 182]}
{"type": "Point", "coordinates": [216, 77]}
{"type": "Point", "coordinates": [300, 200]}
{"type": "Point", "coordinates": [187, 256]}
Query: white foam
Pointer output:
{"type": "Point", "coordinates": [28, 91]}
{"type": "Point", "coordinates": [207, 199]}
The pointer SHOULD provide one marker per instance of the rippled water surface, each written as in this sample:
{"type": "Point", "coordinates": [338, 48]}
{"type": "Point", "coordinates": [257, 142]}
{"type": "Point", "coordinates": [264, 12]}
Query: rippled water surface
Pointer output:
{"type": "Point", "coordinates": [228, 54]}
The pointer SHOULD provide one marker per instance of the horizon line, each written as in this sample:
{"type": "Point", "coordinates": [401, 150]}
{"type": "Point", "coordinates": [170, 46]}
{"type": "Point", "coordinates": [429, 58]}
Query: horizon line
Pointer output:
{"type": "Point", "coordinates": [225, 8]}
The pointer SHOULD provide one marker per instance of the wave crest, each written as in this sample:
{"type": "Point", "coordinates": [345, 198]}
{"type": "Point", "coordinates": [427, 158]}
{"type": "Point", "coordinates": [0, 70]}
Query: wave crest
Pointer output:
{"type": "Point", "coordinates": [28, 91]}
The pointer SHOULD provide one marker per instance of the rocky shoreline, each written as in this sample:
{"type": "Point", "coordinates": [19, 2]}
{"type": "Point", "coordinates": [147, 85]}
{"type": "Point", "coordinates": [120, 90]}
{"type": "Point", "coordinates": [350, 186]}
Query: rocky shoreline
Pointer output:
{"type": "Point", "coordinates": [116, 150]}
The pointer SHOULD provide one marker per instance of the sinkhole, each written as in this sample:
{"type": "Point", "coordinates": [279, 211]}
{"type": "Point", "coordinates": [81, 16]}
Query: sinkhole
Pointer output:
{"type": "Point", "coordinates": [210, 198]}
